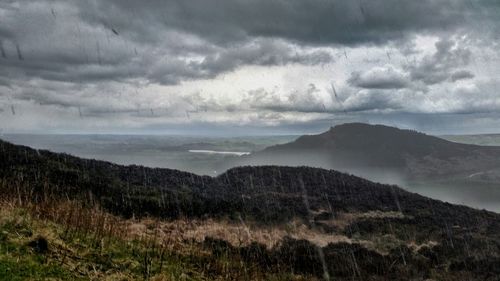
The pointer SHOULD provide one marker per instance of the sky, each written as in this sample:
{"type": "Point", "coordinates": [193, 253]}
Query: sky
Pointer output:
{"type": "Point", "coordinates": [236, 67]}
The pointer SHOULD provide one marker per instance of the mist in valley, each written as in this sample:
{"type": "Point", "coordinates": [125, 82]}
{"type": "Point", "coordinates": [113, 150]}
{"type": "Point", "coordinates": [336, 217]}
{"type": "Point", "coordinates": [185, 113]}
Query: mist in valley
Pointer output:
{"type": "Point", "coordinates": [176, 152]}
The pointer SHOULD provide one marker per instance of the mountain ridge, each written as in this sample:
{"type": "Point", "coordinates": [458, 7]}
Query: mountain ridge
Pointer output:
{"type": "Point", "coordinates": [358, 147]}
{"type": "Point", "coordinates": [394, 234]}
{"type": "Point", "coordinates": [30, 165]}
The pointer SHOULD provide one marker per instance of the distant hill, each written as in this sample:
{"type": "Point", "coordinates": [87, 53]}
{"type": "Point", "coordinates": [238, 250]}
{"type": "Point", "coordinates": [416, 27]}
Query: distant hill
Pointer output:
{"type": "Point", "coordinates": [393, 234]}
{"type": "Point", "coordinates": [267, 193]}
{"type": "Point", "coordinates": [377, 151]}
{"type": "Point", "coordinates": [264, 193]}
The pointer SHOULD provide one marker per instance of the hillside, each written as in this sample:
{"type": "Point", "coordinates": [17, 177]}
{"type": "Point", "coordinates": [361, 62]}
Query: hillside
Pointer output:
{"type": "Point", "coordinates": [369, 150]}
{"type": "Point", "coordinates": [283, 220]}
{"type": "Point", "coordinates": [441, 169]}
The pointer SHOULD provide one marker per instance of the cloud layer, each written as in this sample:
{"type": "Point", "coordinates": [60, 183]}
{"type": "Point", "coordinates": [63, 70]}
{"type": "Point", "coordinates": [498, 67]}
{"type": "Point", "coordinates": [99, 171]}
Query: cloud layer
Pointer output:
{"type": "Point", "coordinates": [126, 65]}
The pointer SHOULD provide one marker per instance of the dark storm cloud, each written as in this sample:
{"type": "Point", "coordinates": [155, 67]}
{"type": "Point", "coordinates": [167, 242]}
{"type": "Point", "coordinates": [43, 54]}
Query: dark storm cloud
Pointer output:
{"type": "Point", "coordinates": [262, 52]}
{"type": "Point", "coordinates": [78, 55]}
{"type": "Point", "coordinates": [438, 67]}
{"type": "Point", "coordinates": [171, 41]}
{"type": "Point", "coordinates": [309, 22]}
{"type": "Point", "coordinates": [77, 46]}
{"type": "Point", "coordinates": [444, 64]}
{"type": "Point", "coordinates": [416, 86]}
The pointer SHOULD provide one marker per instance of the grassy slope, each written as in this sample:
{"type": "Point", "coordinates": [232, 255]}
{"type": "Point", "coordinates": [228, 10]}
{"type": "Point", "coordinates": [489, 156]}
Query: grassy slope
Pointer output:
{"type": "Point", "coordinates": [92, 245]}
{"type": "Point", "coordinates": [77, 254]}
{"type": "Point", "coordinates": [104, 251]}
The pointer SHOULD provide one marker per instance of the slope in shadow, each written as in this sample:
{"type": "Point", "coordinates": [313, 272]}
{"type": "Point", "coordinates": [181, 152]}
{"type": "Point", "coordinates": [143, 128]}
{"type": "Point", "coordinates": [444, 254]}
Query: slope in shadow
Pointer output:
{"type": "Point", "coordinates": [466, 240]}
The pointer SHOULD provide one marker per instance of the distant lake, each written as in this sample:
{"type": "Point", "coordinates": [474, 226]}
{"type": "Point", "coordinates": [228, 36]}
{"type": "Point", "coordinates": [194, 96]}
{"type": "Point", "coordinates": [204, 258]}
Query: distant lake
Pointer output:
{"type": "Point", "coordinates": [218, 152]}
{"type": "Point", "coordinates": [197, 154]}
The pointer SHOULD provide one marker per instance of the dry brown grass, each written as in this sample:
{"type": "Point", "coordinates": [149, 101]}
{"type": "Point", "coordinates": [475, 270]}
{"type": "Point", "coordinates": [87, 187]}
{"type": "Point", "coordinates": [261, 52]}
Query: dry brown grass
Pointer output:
{"type": "Point", "coordinates": [237, 234]}
{"type": "Point", "coordinates": [178, 235]}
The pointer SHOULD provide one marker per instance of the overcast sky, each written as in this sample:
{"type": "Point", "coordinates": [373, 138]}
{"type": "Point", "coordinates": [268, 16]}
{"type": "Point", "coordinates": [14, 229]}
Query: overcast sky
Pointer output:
{"type": "Point", "coordinates": [248, 66]}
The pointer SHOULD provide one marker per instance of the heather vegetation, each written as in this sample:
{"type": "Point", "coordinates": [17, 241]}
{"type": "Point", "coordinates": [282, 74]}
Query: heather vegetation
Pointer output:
{"type": "Point", "coordinates": [69, 218]}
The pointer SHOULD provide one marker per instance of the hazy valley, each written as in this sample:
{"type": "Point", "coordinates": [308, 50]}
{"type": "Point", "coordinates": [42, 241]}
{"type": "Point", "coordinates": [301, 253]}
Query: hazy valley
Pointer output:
{"type": "Point", "coordinates": [477, 187]}
{"type": "Point", "coordinates": [247, 223]}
